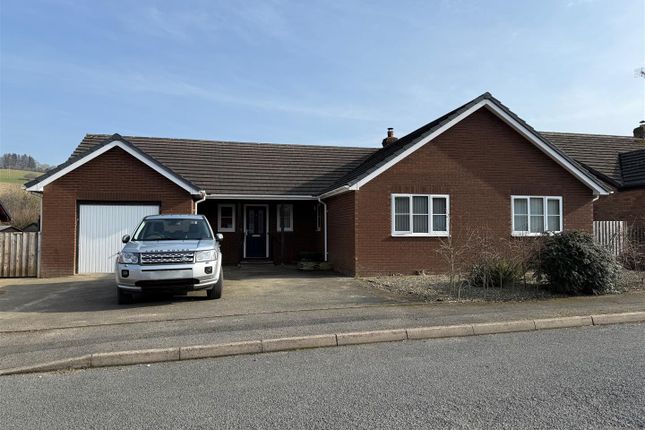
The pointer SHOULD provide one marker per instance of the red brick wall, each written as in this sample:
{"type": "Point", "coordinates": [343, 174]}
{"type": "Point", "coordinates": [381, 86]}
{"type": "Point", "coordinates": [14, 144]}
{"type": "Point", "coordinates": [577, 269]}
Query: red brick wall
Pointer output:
{"type": "Point", "coordinates": [341, 232]}
{"type": "Point", "coordinates": [480, 163]}
{"type": "Point", "coordinates": [303, 238]}
{"type": "Point", "coordinates": [628, 205]}
{"type": "Point", "coordinates": [113, 176]}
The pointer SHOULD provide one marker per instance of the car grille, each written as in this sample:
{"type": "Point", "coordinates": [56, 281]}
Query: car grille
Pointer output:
{"type": "Point", "coordinates": [167, 283]}
{"type": "Point", "coordinates": [167, 257]}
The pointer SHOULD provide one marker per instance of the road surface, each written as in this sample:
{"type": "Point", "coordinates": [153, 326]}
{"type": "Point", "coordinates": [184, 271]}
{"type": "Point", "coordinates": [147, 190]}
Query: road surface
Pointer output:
{"type": "Point", "coordinates": [592, 377]}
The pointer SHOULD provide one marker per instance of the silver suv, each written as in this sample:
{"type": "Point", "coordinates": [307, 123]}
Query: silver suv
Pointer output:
{"type": "Point", "coordinates": [170, 253]}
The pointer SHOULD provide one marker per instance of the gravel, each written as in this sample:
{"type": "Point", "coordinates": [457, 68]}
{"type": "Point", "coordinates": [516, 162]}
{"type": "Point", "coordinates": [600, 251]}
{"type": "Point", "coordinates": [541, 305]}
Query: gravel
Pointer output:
{"type": "Point", "coordinates": [436, 288]}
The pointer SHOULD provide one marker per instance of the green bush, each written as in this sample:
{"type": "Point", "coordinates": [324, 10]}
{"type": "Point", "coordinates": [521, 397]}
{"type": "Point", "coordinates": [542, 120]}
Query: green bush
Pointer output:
{"type": "Point", "coordinates": [495, 272]}
{"type": "Point", "coordinates": [572, 263]}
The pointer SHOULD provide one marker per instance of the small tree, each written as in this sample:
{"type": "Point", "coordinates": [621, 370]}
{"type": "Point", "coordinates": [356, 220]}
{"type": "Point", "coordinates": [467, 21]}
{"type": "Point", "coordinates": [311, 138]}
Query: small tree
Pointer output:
{"type": "Point", "coordinates": [523, 251]}
{"type": "Point", "coordinates": [454, 251]}
{"type": "Point", "coordinates": [633, 254]}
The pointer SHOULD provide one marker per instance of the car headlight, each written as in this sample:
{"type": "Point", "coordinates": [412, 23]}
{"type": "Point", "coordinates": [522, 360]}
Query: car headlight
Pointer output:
{"type": "Point", "coordinates": [205, 255]}
{"type": "Point", "coordinates": [128, 258]}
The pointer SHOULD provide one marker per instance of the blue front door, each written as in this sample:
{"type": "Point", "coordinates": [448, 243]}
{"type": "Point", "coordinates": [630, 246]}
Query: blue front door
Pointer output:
{"type": "Point", "coordinates": [255, 230]}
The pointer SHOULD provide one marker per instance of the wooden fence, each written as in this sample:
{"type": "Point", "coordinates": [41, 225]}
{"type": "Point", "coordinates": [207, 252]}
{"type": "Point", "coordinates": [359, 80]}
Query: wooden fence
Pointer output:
{"type": "Point", "coordinates": [610, 234]}
{"type": "Point", "coordinates": [636, 233]}
{"type": "Point", "coordinates": [19, 254]}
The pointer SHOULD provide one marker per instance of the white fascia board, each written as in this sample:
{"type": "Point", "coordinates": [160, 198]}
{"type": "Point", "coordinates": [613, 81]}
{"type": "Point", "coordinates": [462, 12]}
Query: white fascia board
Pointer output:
{"type": "Point", "coordinates": [417, 145]}
{"type": "Point", "coordinates": [563, 162]}
{"type": "Point", "coordinates": [39, 187]}
{"type": "Point", "coordinates": [257, 197]}
{"type": "Point", "coordinates": [336, 191]}
{"type": "Point", "coordinates": [582, 176]}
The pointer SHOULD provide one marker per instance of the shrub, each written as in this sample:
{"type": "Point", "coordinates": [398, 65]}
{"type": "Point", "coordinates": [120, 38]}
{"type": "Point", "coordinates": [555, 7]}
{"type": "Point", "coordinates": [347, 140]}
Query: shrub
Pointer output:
{"type": "Point", "coordinates": [572, 263]}
{"type": "Point", "coordinates": [495, 272]}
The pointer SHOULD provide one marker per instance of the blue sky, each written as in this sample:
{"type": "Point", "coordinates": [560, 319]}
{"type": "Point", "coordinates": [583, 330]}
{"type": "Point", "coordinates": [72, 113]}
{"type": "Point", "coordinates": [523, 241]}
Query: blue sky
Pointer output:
{"type": "Point", "coordinates": [313, 72]}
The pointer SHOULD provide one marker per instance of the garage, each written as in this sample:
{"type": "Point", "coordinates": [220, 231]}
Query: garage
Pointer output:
{"type": "Point", "coordinates": [100, 228]}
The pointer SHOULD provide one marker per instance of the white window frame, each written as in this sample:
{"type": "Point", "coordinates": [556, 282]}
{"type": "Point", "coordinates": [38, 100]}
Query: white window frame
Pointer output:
{"type": "Point", "coordinates": [430, 233]}
{"type": "Point", "coordinates": [290, 227]}
{"type": "Point", "coordinates": [546, 215]}
{"type": "Point", "coordinates": [219, 218]}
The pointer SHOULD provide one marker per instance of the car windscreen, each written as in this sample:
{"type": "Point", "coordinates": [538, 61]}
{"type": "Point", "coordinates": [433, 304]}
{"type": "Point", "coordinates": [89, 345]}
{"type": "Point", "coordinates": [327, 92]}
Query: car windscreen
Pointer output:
{"type": "Point", "coordinates": [173, 229]}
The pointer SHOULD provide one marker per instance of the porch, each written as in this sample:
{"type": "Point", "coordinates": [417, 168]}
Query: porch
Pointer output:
{"type": "Point", "coordinates": [279, 231]}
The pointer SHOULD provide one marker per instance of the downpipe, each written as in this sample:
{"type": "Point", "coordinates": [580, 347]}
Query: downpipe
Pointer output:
{"type": "Point", "coordinates": [324, 224]}
{"type": "Point", "coordinates": [202, 194]}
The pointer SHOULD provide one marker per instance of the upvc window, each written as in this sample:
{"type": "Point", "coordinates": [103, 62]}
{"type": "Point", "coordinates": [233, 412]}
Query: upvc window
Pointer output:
{"type": "Point", "coordinates": [420, 214]}
{"type": "Point", "coordinates": [226, 218]}
{"type": "Point", "coordinates": [536, 215]}
{"type": "Point", "coordinates": [285, 217]}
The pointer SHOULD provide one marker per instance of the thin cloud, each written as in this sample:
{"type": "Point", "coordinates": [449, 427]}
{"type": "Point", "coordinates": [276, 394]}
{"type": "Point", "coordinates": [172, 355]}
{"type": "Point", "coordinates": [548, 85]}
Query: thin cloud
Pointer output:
{"type": "Point", "coordinates": [110, 81]}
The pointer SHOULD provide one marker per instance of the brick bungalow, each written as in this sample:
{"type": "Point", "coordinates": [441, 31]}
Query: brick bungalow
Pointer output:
{"type": "Point", "coordinates": [365, 210]}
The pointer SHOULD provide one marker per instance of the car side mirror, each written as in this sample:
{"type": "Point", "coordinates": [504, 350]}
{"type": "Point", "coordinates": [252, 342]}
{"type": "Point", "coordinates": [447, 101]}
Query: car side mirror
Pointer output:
{"type": "Point", "coordinates": [126, 238]}
{"type": "Point", "coordinates": [219, 237]}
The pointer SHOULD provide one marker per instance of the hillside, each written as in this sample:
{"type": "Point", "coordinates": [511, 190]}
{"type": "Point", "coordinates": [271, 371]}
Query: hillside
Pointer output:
{"type": "Point", "coordinates": [11, 176]}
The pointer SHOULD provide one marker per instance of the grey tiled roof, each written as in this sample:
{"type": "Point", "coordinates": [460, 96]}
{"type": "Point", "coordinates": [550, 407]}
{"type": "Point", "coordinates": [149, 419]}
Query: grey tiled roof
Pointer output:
{"type": "Point", "coordinates": [247, 168]}
{"type": "Point", "coordinates": [633, 168]}
{"type": "Point", "coordinates": [220, 167]}
{"type": "Point", "coordinates": [601, 153]}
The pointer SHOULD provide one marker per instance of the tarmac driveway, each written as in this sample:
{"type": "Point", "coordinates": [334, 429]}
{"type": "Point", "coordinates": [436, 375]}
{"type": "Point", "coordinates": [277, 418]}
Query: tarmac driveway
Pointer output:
{"type": "Point", "coordinates": [81, 301]}
{"type": "Point", "coordinates": [51, 319]}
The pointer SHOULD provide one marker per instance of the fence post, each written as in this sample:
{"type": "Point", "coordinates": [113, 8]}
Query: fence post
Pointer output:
{"type": "Point", "coordinates": [611, 235]}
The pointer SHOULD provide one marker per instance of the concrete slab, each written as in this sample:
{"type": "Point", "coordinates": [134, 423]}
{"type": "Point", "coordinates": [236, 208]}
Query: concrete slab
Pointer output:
{"type": "Point", "coordinates": [121, 358]}
{"type": "Point", "coordinates": [504, 327]}
{"type": "Point", "coordinates": [627, 317]}
{"type": "Point", "coordinates": [220, 350]}
{"type": "Point", "coordinates": [372, 336]}
{"type": "Point", "coordinates": [300, 342]}
{"type": "Point", "coordinates": [440, 331]}
{"type": "Point", "coordinates": [563, 322]}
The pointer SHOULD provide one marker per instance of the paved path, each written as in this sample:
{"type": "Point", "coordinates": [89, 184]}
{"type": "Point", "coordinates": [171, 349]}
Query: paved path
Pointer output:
{"type": "Point", "coordinates": [586, 378]}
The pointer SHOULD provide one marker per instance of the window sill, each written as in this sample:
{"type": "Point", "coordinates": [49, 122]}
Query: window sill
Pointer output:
{"type": "Point", "coordinates": [526, 234]}
{"type": "Point", "coordinates": [422, 235]}
{"type": "Point", "coordinates": [226, 230]}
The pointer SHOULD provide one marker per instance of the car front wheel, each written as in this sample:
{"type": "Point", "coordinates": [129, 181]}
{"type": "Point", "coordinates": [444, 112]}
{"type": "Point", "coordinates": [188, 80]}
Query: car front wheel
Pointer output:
{"type": "Point", "coordinates": [216, 291]}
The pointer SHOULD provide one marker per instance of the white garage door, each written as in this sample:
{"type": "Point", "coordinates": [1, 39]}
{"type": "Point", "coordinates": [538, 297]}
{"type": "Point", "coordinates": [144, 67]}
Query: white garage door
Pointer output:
{"type": "Point", "coordinates": [100, 229]}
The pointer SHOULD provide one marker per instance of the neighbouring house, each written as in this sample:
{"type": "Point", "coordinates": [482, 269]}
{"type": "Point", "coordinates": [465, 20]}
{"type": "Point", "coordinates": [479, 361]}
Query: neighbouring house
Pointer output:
{"type": "Point", "coordinates": [34, 227]}
{"type": "Point", "coordinates": [9, 229]}
{"type": "Point", "coordinates": [619, 161]}
{"type": "Point", "coordinates": [366, 210]}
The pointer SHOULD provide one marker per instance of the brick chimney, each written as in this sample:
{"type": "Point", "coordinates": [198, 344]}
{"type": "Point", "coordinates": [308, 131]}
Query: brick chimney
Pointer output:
{"type": "Point", "coordinates": [640, 130]}
{"type": "Point", "coordinates": [390, 137]}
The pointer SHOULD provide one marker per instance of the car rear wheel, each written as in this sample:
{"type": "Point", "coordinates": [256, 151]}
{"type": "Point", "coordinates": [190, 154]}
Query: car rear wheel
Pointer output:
{"type": "Point", "coordinates": [216, 291]}
{"type": "Point", "coordinates": [123, 298]}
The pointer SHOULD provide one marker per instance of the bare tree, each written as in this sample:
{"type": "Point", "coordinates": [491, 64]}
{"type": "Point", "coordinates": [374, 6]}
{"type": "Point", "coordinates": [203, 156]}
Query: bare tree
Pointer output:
{"type": "Point", "coordinates": [633, 254]}
{"type": "Point", "coordinates": [23, 206]}
{"type": "Point", "coordinates": [454, 250]}
{"type": "Point", "coordinates": [523, 251]}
